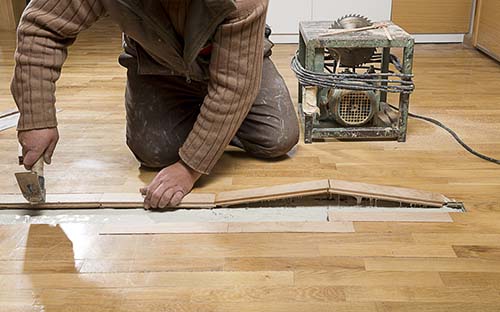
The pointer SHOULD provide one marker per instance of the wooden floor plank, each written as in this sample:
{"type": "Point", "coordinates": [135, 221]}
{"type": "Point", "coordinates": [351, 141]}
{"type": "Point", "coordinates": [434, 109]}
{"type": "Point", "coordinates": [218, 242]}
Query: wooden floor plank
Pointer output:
{"type": "Point", "coordinates": [298, 307]}
{"type": "Point", "coordinates": [458, 239]}
{"type": "Point", "coordinates": [196, 200]}
{"type": "Point", "coordinates": [272, 193]}
{"type": "Point", "coordinates": [402, 250]}
{"type": "Point", "coordinates": [471, 279]}
{"type": "Point", "coordinates": [138, 280]}
{"type": "Point", "coordinates": [367, 278]}
{"type": "Point", "coordinates": [387, 193]}
{"type": "Point", "coordinates": [436, 307]}
{"type": "Point", "coordinates": [95, 201]}
{"type": "Point", "coordinates": [478, 251]}
{"type": "Point", "coordinates": [292, 263]}
{"type": "Point", "coordinates": [424, 294]}
{"type": "Point", "coordinates": [432, 265]}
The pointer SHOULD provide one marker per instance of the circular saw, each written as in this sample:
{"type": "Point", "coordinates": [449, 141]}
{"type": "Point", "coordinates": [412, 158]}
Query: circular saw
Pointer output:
{"type": "Point", "coordinates": [352, 57]}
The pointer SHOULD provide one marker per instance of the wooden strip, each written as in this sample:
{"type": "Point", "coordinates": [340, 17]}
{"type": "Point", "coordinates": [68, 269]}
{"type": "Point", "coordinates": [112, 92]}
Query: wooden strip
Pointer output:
{"type": "Point", "coordinates": [8, 122]}
{"type": "Point", "coordinates": [401, 250]}
{"type": "Point", "coordinates": [457, 239]}
{"type": "Point", "coordinates": [357, 277]}
{"type": "Point", "coordinates": [53, 201]}
{"type": "Point", "coordinates": [153, 279]}
{"type": "Point", "coordinates": [166, 228]}
{"type": "Point", "coordinates": [432, 265]}
{"type": "Point", "coordinates": [389, 216]}
{"type": "Point", "coordinates": [456, 299]}
{"type": "Point", "coordinates": [291, 227]}
{"type": "Point", "coordinates": [478, 252]}
{"type": "Point", "coordinates": [468, 279]}
{"type": "Point", "coordinates": [272, 193]}
{"type": "Point", "coordinates": [389, 193]}
{"type": "Point", "coordinates": [135, 200]}
{"type": "Point", "coordinates": [9, 112]}
{"type": "Point", "coordinates": [194, 200]}
{"type": "Point", "coordinates": [95, 201]}
{"type": "Point", "coordinates": [292, 263]}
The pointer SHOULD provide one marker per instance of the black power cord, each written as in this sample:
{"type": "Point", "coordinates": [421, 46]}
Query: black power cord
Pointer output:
{"type": "Point", "coordinates": [351, 82]}
{"type": "Point", "coordinates": [454, 134]}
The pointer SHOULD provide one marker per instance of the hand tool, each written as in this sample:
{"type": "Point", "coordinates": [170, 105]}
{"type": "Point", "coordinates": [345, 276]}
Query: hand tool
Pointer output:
{"type": "Point", "coordinates": [32, 183]}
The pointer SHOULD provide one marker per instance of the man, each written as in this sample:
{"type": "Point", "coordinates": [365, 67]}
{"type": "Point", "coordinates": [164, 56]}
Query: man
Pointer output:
{"type": "Point", "coordinates": [193, 83]}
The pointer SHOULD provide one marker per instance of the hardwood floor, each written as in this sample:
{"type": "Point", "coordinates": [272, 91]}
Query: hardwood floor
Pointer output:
{"type": "Point", "coordinates": [382, 267]}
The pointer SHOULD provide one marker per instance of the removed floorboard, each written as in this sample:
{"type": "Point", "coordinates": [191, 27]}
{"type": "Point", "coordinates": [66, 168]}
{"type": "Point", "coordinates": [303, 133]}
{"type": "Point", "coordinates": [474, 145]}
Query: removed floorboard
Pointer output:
{"type": "Point", "coordinates": [95, 201]}
{"type": "Point", "coordinates": [389, 193]}
{"type": "Point", "coordinates": [325, 188]}
{"type": "Point", "coordinates": [272, 193]}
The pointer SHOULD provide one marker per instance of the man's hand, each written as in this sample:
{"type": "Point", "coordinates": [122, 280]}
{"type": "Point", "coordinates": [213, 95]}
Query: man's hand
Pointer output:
{"type": "Point", "coordinates": [170, 186]}
{"type": "Point", "coordinates": [38, 143]}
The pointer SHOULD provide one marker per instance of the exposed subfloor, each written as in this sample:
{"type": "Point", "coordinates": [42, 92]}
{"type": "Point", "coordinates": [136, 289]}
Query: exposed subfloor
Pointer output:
{"type": "Point", "coordinates": [139, 216]}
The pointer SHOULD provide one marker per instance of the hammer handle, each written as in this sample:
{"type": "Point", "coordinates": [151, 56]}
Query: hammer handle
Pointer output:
{"type": "Point", "coordinates": [38, 167]}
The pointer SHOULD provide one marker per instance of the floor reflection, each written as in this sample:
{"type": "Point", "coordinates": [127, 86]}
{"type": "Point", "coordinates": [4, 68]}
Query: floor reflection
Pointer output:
{"type": "Point", "coordinates": [50, 266]}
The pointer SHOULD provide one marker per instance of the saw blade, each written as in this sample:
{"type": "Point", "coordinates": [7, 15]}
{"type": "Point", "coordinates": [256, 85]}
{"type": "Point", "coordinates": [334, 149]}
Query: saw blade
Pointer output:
{"type": "Point", "coordinates": [351, 21]}
{"type": "Point", "coordinates": [352, 57]}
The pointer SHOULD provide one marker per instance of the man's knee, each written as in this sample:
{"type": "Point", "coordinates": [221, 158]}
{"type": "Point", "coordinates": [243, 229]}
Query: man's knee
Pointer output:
{"type": "Point", "coordinates": [279, 147]}
{"type": "Point", "coordinates": [153, 154]}
{"type": "Point", "coordinates": [278, 140]}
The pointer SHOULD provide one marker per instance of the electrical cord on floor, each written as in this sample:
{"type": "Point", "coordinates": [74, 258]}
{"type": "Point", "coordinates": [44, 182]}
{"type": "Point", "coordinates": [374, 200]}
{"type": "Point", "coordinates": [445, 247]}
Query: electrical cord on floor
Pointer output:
{"type": "Point", "coordinates": [453, 133]}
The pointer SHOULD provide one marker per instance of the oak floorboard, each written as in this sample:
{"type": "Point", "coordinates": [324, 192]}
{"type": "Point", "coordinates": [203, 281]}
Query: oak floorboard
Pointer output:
{"type": "Point", "coordinates": [398, 250]}
{"type": "Point", "coordinates": [416, 293]}
{"type": "Point", "coordinates": [432, 265]}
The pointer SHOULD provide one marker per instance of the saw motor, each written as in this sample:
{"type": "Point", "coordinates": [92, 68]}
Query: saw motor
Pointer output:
{"type": "Point", "coordinates": [351, 108]}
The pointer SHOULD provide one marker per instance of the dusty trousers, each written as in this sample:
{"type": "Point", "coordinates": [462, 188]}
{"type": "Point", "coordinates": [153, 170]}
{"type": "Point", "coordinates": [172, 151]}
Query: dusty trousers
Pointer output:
{"type": "Point", "coordinates": [162, 109]}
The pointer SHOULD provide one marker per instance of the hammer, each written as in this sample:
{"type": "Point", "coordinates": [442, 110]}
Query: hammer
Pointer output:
{"type": "Point", "coordinates": [32, 183]}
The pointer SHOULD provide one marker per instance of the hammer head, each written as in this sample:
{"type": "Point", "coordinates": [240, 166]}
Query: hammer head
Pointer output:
{"type": "Point", "coordinates": [32, 187]}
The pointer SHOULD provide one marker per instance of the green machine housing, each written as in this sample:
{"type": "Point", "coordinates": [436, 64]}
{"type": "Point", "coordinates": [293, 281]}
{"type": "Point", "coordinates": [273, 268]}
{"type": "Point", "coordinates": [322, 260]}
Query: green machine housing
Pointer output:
{"type": "Point", "coordinates": [345, 80]}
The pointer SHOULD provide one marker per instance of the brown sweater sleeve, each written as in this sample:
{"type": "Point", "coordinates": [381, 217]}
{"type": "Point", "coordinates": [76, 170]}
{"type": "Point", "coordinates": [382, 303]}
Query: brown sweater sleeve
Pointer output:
{"type": "Point", "coordinates": [46, 30]}
{"type": "Point", "coordinates": [235, 76]}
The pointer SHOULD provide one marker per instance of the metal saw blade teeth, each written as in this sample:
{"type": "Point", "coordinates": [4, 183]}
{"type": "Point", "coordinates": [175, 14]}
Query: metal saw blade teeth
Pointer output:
{"type": "Point", "coordinates": [360, 21]}
{"type": "Point", "coordinates": [363, 20]}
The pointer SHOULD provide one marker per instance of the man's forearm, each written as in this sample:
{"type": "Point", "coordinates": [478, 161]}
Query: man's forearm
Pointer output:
{"type": "Point", "coordinates": [45, 31]}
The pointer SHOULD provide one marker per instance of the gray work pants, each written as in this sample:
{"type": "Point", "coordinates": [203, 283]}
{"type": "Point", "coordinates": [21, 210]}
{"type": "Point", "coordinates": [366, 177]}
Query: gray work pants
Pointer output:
{"type": "Point", "coordinates": [161, 111]}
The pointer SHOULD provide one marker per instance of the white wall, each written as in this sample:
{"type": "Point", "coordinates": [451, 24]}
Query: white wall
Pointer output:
{"type": "Point", "coordinates": [284, 16]}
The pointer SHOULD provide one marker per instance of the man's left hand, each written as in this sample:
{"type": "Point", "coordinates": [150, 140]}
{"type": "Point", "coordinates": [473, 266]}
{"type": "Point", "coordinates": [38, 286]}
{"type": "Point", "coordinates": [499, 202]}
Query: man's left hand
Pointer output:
{"type": "Point", "coordinates": [170, 186]}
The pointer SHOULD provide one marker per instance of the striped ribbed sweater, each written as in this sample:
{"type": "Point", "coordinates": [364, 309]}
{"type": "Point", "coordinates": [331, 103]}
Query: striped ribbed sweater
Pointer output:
{"type": "Point", "coordinates": [48, 27]}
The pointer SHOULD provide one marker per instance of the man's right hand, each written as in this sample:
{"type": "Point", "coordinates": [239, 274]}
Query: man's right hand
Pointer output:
{"type": "Point", "coordinates": [38, 143]}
